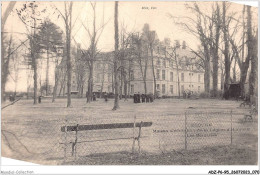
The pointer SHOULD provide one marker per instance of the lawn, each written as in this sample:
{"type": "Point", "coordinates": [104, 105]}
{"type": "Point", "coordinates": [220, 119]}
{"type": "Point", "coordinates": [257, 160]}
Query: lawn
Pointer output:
{"type": "Point", "coordinates": [33, 132]}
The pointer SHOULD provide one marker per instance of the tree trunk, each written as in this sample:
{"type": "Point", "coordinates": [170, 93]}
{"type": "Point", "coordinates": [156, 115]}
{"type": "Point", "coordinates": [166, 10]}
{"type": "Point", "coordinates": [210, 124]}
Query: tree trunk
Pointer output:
{"type": "Point", "coordinates": [234, 71]}
{"type": "Point", "coordinates": [121, 82]}
{"type": "Point", "coordinates": [54, 95]}
{"type": "Point", "coordinates": [5, 70]}
{"type": "Point", "coordinates": [154, 79]}
{"type": "Point", "coordinates": [90, 83]}
{"type": "Point", "coordinates": [215, 52]}
{"type": "Point", "coordinates": [62, 83]}
{"type": "Point", "coordinates": [226, 53]}
{"type": "Point", "coordinates": [129, 78]}
{"type": "Point", "coordinates": [68, 44]}
{"type": "Point", "coordinates": [116, 105]}
{"type": "Point", "coordinates": [35, 80]}
{"type": "Point", "coordinates": [47, 71]}
{"type": "Point", "coordinates": [4, 67]}
{"type": "Point", "coordinates": [34, 61]}
{"type": "Point", "coordinates": [207, 68]}
{"type": "Point", "coordinates": [207, 77]}
{"type": "Point", "coordinates": [113, 83]}
{"type": "Point", "coordinates": [4, 76]}
{"type": "Point", "coordinates": [252, 52]}
{"type": "Point", "coordinates": [69, 72]}
{"type": "Point", "coordinates": [125, 86]}
{"type": "Point", "coordinates": [103, 79]}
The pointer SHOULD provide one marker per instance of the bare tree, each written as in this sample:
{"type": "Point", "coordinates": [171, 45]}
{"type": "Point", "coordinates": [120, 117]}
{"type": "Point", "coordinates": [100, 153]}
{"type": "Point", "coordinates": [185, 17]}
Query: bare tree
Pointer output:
{"type": "Point", "coordinates": [16, 70]}
{"type": "Point", "coordinates": [175, 56]}
{"type": "Point", "coordinates": [67, 17]}
{"type": "Point", "coordinates": [30, 15]}
{"type": "Point", "coordinates": [150, 37]}
{"type": "Point", "coordinates": [141, 57]}
{"type": "Point", "coordinates": [8, 47]}
{"type": "Point", "coordinates": [57, 74]}
{"type": "Point", "coordinates": [252, 52]}
{"type": "Point", "coordinates": [91, 54]}
{"type": "Point", "coordinates": [4, 71]}
{"type": "Point", "coordinates": [116, 104]}
{"type": "Point", "coordinates": [225, 27]}
{"type": "Point", "coordinates": [200, 26]}
{"type": "Point", "coordinates": [215, 46]}
{"type": "Point", "coordinates": [80, 70]}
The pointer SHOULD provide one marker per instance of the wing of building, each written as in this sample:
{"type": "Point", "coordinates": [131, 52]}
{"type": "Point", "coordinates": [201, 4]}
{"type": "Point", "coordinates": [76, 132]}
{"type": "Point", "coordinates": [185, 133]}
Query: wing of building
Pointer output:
{"type": "Point", "coordinates": [176, 70]}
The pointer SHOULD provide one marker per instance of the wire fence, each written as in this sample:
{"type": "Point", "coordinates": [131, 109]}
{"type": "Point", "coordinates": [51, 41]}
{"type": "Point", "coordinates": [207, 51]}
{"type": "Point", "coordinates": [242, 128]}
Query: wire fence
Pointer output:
{"type": "Point", "coordinates": [65, 140]}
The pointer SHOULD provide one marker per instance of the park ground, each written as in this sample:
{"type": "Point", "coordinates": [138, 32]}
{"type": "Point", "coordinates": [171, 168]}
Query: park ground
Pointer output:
{"type": "Point", "coordinates": [32, 132]}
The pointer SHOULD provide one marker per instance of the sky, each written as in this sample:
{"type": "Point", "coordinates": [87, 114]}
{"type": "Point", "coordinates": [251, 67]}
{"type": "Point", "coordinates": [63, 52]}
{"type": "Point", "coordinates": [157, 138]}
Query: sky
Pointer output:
{"type": "Point", "coordinates": [132, 15]}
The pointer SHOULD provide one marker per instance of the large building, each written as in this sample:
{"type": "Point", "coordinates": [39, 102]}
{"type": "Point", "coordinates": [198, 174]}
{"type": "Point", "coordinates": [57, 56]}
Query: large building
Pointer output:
{"type": "Point", "coordinates": [175, 70]}
{"type": "Point", "coordinates": [170, 78]}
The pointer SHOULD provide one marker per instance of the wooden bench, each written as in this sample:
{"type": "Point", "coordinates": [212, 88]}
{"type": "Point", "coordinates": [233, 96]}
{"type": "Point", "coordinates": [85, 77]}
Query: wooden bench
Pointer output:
{"type": "Point", "coordinates": [77, 128]}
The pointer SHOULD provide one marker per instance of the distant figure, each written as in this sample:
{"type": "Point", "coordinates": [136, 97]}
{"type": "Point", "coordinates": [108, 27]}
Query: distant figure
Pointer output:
{"type": "Point", "coordinates": [94, 97]}
{"type": "Point", "coordinates": [105, 96]}
{"type": "Point", "coordinates": [138, 98]}
{"type": "Point", "coordinates": [147, 98]}
{"type": "Point", "coordinates": [143, 98]}
{"type": "Point", "coordinates": [135, 98]}
{"type": "Point", "coordinates": [151, 98]}
{"type": "Point", "coordinates": [11, 98]}
{"type": "Point", "coordinates": [40, 99]}
{"type": "Point", "coordinates": [184, 94]}
{"type": "Point", "coordinates": [189, 94]}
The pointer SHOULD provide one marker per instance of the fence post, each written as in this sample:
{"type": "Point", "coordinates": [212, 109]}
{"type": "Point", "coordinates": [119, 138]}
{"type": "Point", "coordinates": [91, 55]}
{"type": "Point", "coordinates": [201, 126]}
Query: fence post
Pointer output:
{"type": "Point", "coordinates": [133, 146]}
{"type": "Point", "coordinates": [139, 137]}
{"type": "Point", "coordinates": [231, 123]}
{"type": "Point", "coordinates": [75, 146]}
{"type": "Point", "coordinates": [65, 142]}
{"type": "Point", "coordinates": [185, 131]}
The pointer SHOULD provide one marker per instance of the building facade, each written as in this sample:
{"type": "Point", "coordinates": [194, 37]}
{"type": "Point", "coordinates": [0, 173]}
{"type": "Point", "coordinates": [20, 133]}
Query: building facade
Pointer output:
{"type": "Point", "coordinates": [175, 71]}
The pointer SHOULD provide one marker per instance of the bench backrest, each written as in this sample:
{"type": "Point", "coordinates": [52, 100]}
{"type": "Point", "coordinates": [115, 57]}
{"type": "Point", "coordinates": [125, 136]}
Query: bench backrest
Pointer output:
{"type": "Point", "coordinates": [105, 126]}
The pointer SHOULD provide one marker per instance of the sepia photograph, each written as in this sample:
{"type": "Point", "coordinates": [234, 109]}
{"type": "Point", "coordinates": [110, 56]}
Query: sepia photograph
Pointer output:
{"type": "Point", "coordinates": [129, 83]}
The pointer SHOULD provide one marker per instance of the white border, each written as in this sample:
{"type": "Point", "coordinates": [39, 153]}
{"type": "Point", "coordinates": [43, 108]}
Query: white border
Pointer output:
{"type": "Point", "coordinates": [12, 166]}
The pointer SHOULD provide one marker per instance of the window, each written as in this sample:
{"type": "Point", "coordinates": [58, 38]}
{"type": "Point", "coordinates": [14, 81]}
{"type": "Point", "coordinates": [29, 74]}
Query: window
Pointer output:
{"type": "Point", "coordinates": [171, 89]}
{"type": "Point", "coordinates": [182, 76]}
{"type": "Point", "coordinates": [164, 63]}
{"type": "Point", "coordinates": [109, 77]}
{"type": "Point", "coordinates": [158, 62]}
{"type": "Point", "coordinates": [132, 89]}
{"type": "Point", "coordinates": [163, 88]}
{"type": "Point", "coordinates": [182, 88]}
{"type": "Point", "coordinates": [171, 76]}
{"type": "Point", "coordinates": [158, 86]}
{"type": "Point", "coordinates": [199, 77]}
{"type": "Point", "coordinates": [132, 75]}
{"type": "Point", "coordinates": [98, 78]}
{"type": "Point", "coordinates": [158, 74]}
{"type": "Point", "coordinates": [163, 74]}
{"type": "Point", "coordinates": [198, 89]}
